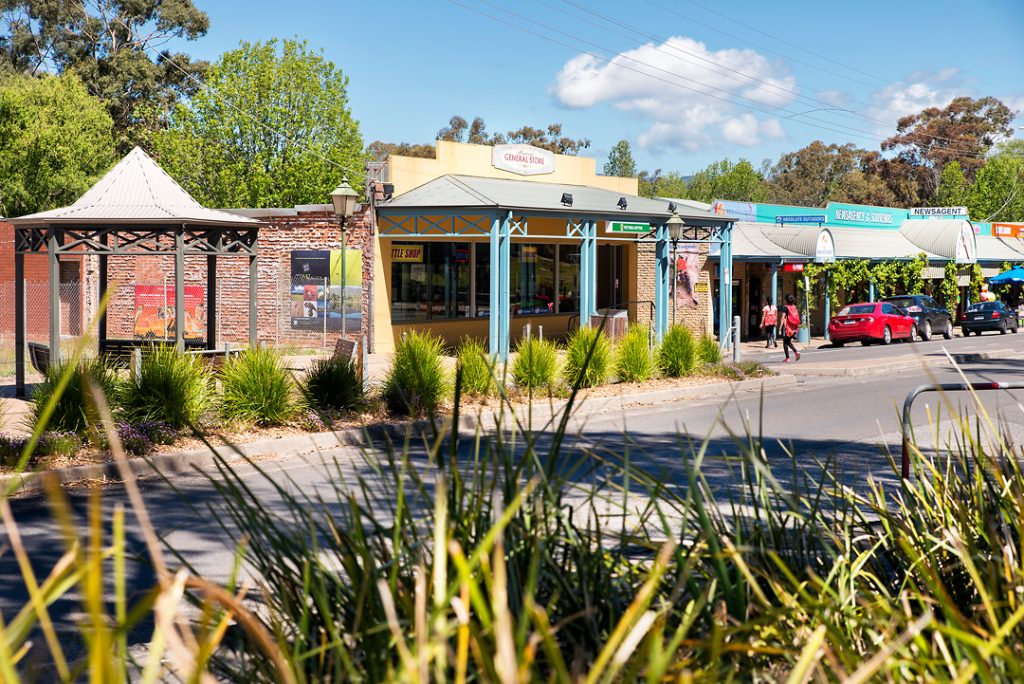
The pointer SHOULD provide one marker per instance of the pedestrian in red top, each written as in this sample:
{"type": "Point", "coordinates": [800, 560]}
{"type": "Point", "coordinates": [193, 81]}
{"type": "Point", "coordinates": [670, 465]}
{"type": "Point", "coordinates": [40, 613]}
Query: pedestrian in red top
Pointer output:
{"type": "Point", "coordinates": [791, 324]}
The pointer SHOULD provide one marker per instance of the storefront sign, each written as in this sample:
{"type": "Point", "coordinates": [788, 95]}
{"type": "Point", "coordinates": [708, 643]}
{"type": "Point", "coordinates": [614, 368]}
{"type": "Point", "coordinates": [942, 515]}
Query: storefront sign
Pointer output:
{"type": "Point", "coordinates": [622, 227]}
{"type": "Point", "coordinates": [802, 218]}
{"type": "Point", "coordinates": [939, 212]}
{"type": "Point", "coordinates": [966, 245]}
{"type": "Point", "coordinates": [524, 160]}
{"type": "Point", "coordinates": [407, 254]}
{"type": "Point", "coordinates": [865, 216]}
{"type": "Point", "coordinates": [1008, 230]}
{"type": "Point", "coordinates": [824, 248]}
{"type": "Point", "coordinates": [792, 268]}
{"type": "Point", "coordinates": [741, 211]}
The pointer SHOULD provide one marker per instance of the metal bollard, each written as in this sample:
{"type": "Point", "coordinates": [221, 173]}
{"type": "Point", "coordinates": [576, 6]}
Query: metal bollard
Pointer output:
{"type": "Point", "coordinates": [136, 365]}
{"type": "Point", "coordinates": [526, 331]}
{"type": "Point", "coordinates": [540, 332]}
{"type": "Point", "coordinates": [735, 339]}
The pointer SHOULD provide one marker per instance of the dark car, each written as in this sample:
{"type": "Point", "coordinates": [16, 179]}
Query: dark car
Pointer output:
{"type": "Point", "coordinates": [988, 316]}
{"type": "Point", "coordinates": [931, 317]}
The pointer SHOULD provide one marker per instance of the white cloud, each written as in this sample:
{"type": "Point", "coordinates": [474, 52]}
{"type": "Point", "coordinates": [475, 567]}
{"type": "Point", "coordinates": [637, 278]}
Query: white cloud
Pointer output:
{"type": "Point", "coordinates": [918, 91]}
{"type": "Point", "coordinates": [835, 98]}
{"type": "Point", "coordinates": [687, 93]}
{"type": "Point", "coordinates": [1015, 103]}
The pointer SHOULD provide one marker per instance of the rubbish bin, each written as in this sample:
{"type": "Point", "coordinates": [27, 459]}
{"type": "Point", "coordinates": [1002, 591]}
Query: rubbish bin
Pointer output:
{"type": "Point", "coordinates": [803, 335]}
{"type": "Point", "coordinates": [615, 322]}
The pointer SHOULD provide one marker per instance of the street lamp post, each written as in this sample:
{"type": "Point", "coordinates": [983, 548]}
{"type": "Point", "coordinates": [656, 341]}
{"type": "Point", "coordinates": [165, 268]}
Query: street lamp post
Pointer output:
{"type": "Point", "coordinates": [344, 200]}
{"type": "Point", "coordinates": [675, 231]}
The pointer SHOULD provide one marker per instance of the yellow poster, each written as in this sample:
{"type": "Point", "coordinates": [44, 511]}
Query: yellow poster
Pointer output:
{"type": "Point", "coordinates": [407, 254]}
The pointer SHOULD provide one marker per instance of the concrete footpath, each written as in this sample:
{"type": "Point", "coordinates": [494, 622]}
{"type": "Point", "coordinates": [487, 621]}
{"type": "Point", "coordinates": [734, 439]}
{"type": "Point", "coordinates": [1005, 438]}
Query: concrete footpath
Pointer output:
{"type": "Point", "coordinates": [539, 414]}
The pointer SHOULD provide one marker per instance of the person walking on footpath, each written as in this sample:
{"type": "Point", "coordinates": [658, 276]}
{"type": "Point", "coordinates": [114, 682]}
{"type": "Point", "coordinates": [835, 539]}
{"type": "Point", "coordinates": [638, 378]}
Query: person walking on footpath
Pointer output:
{"type": "Point", "coordinates": [769, 321]}
{"type": "Point", "coordinates": [791, 324]}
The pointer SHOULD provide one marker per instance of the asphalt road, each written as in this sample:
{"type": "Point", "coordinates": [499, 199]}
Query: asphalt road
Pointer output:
{"type": "Point", "coordinates": [850, 420]}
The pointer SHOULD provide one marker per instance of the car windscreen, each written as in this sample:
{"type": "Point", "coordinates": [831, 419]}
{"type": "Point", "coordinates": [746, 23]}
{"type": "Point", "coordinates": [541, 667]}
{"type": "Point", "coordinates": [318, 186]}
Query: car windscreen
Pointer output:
{"type": "Point", "coordinates": [857, 309]}
{"type": "Point", "coordinates": [904, 302]}
{"type": "Point", "coordinates": [984, 306]}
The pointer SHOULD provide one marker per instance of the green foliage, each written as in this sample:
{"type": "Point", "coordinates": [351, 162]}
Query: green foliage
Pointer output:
{"type": "Point", "coordinates": [220, 147]}
{"type": "Point", "coordinates": [677, 355]}
{"type": "Point", "coordinates": [73, 410]}
{"type": "Point", "coordinates": [588, 358]}
{"type": "Point", "coordinates": [953, 187]}
{"type": "Point", "coordinates": [535, 365]}
{"type": "Point", "coordinates": [818, 173]}
{"type": "Point", "coordinates": [977, 280]}
{"type": "Point", "coordinates": [59, 444]}
{"type": "Point", "coordinates": [474, 368]}
{"type": "Point", "coordinates": [708, 351]}
{"type": "Point", "coordinates": [55, 141]}
{"type": "Point", "coordinates": [620, 161]}
{"type": "Point", "coordinates": [119, 49]}
{"type": "Point", "coordinates": [172, 387]}
{"type": "Point", "coordinates": [728, 181]}
{"type": "Point", "coordinates": [332, 384]}
{"type": "Point", "coordinates": [658, 184]}
{"type": "Point", "coordinates": [417, 382]}
{"type": "Point", "coordinates": [634, 361]}
{"type": "Point", "coordinates": [998, 191]}
{"type": "Point", "coordinates": [950, 289]}
{"type": "Point", "coordinates": [257, 388]}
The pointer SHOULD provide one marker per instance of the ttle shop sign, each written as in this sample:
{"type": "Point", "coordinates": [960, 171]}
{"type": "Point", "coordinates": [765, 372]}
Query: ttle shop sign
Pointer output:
{"type": "Point", "coordinates": [407, 254]}
{"type": "Point", "coordinates": [524, 160]}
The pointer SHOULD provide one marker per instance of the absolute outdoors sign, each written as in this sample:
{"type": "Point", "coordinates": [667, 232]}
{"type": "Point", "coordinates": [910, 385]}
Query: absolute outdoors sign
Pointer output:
{"type": "Point", "coordinates": [802, 218]}
{"type": "Point", "coordinates": [624, 227]}
{"type": "Point", "coordinates": [524, 160]}
{"type": "Point", "coordinates": [939, 212]}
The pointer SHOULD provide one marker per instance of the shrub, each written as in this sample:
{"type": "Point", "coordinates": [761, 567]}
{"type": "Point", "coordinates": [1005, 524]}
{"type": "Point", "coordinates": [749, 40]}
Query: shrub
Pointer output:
{"type": "Point", "coordinates": [134, 439]}
{"type": "Point", "coordinates": [159, 432]}
{"type": "Point", "coordinates": [474, 368]}
{"type": "Point", "coordinates": [535, 365]}
{"type": "Point", "coordinates": [257, 388]}
{"type": "Point", "coordinates": [311, 421]}
{"type": "Point", "coordinates": [11, 449]}
{"type": "Point", "coordinates": [416, 383]}
{"type": "Point", "coordinates": [588, 358]}
{"type": "Point", "coordinates": [677, 355]}
{"type": "Point", "coordinates": [172, 388]}
{"type": "Point", "coordinates": [332, 384]}
{"type": "Point", "coordinates": [708, 351]}
{"type": "Point", "coordinates": [61, 443]}
{"type": "Point", "coordinates": [633, 362]}
{"type": "Point", "coordinates": [73, 409]}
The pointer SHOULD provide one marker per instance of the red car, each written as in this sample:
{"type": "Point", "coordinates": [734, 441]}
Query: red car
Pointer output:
{"type": "Point", "coordinates": [869, 322]}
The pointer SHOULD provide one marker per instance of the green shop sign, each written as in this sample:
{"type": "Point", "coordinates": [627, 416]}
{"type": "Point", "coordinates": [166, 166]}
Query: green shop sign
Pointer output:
{"type": "Point", "coordinates": [623, 227]}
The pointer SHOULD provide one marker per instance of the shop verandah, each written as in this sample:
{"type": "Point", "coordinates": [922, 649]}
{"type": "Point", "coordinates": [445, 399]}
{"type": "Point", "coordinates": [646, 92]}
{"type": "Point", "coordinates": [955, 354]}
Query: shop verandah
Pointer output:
{"type": "Point", "coordinates": [483, 257]}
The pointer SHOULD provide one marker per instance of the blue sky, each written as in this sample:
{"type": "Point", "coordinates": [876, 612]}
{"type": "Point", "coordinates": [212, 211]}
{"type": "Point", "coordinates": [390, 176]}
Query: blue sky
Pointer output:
{"type": "Point", "coordinates": [685, 81]}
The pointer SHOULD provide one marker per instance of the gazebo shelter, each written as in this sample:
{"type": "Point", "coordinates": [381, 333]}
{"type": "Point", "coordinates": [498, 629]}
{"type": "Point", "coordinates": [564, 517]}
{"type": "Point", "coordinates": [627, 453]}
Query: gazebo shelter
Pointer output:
{"type": "Point", "coordinates": [136, 209]}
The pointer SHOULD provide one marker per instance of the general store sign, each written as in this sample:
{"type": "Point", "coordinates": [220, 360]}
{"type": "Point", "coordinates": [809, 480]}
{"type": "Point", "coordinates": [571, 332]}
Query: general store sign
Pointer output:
{"type": "Point", "coordinates": [939, 212]}
{"type": "Point", "coordinates": [407, 254]}
{"type": "Point", "coordinates": [524, 160]}
{"type": "Point", "coordinates": [624, 227]}
{"type": "Point", "coordinates": [1008, 230]}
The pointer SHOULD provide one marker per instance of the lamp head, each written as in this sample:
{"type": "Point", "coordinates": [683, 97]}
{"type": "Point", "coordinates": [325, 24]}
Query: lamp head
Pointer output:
{"type": "Point", "coordinates": [344, 199]}
{"type": "Point", "coordinates": [675, 226]}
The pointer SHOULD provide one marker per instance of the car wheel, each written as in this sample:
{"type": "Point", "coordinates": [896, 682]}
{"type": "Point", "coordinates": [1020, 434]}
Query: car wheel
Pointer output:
{"type": "Point", "coordinates": [948, 332]}
{"type": "Point", "coordinates": [926, 331]}
{"type": "Point", "coordinates": [912, 337]}
{"type": "Point", "coordinates": [1003, 329]}
{"type": "Point", "coordinates": [886, 335]}
{"type": "Point", "coordinates": [965, 332]}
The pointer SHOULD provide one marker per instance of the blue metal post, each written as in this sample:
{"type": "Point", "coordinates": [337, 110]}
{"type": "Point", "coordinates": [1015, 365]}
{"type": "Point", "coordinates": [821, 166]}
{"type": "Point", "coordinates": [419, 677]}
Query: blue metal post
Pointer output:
{"type": "Point", "coordinates": [591, 228]}
{"type": "Point", "coordinates": [584, 277]}
{"type": "Point", "coordinates": [871, 290]}
{"type": "Point", "coordinates": [725, 288]}
{"type": "Point", "coordinates": [504, 299]}
{"type": "Point", "coordinates": [661, 284]}
{"type": "Point", "coordinates": [494, 317]}
{"type": "Point", "coordinates": [775, 284]}
{"type": "Point", "coordinates": [828, 305]}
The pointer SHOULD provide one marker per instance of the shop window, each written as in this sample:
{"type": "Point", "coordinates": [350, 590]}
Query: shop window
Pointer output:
{"type": "Point", "coordinates": [483, 279]}
{"type": "Point", "coordinates": [430, 281]}
{"type": "Point", "coordinates": [532, 279]}
{"type": "Point", "coordinates": [568, 278]}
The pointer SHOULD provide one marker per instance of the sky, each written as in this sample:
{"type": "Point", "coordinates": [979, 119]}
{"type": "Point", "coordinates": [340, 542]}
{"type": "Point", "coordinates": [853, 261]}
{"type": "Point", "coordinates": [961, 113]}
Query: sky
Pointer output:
{"type": "Point", "coordinates": [686, 82]}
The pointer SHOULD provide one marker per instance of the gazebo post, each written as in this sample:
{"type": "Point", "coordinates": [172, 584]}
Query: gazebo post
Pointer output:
{"type": "Point", "coordinates": [19, 320]}
{"type": "Point", "coordinates": [101, 333]}
{"type": "Point", "coordinates": [211, 301]}
{"type": "Point", "coordinates": [52, 245]}
{"type": "Point", "coordinates": [179, 289]}
{"type": "Point", "coordinates": [253, 282]}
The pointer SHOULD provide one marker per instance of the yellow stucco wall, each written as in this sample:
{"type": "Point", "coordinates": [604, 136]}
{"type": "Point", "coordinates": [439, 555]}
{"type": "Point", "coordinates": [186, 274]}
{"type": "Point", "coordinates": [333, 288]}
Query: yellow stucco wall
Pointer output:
{"type": "Point", "coordinates": [456, 158]}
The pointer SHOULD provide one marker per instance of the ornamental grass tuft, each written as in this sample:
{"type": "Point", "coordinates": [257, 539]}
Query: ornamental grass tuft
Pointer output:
{"type": "Point", "coordinates": [588, 358]}
{"type": "Point", "coordinates": [708, 351]}
{"type": "Point", "coordinates": [417, 383]}
{"type": "Point", "coordinates": [633, 358]}
{"type": "Point", "coordinates": [475, 369]}
{"type": "Point", "coordinates": [677, 355]}
{"type": "Point", "coordinates": [535, 365]}
{"type": "Point", "coordinates": [257, 388]}
{"type": "Point", "coordinates": [73, 409]}
{"type": "Point", "coordinates": [332, 384]}
{"type": "Point", "coordinates": [172, 387]}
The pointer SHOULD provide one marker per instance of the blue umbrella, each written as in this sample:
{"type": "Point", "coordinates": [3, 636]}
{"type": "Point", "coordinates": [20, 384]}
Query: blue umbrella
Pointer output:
{"type": "Point", "coordinates": [1014, 275]}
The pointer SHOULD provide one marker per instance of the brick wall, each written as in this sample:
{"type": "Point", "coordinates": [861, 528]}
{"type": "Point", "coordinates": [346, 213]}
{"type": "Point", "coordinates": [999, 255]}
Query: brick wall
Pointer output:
{"type": "Point", "coordinates": [278, 237]}
{"type": "Point", "coordinates": [695, 318]}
